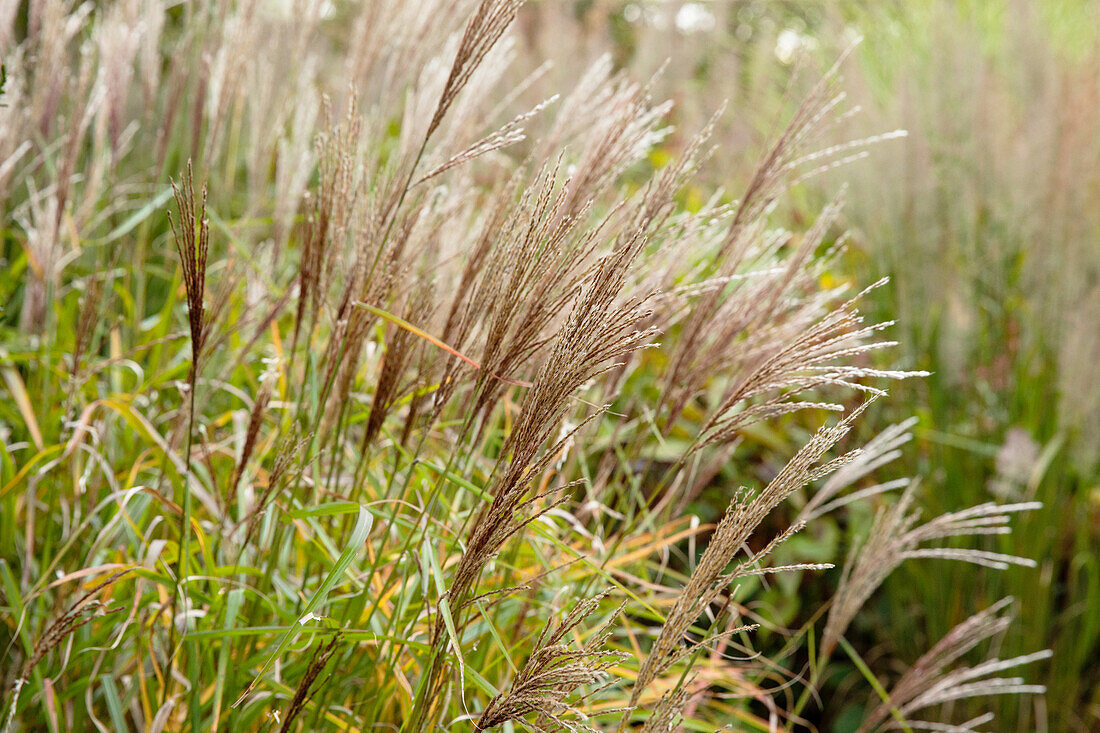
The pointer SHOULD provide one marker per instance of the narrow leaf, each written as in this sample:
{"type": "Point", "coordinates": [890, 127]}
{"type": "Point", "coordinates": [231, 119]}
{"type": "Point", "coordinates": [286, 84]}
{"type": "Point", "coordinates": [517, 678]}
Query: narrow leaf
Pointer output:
{"type": "Point", "coordinates": [355, 543]}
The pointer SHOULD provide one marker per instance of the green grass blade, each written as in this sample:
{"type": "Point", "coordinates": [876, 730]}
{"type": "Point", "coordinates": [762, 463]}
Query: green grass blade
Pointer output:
{"type": "Point", "coordinates": [114, 704]}
{"type": "Point", "coordinates": [875, 684]}
{"type": "Point", "coordinates": [137, 217]}
{"type": "Point", "coordinates": [355, 544]}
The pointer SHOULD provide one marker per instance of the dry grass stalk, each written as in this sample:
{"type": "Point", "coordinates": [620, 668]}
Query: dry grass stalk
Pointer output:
{"type": "Point", "coordinates": [596, 333]}
{"type": "Point", "coordinates": [770, 339]}
{"type": "Point", "coordinates": [877, 452]}
{"type": "Point", "coordinates": [332, 208]}
{"type": "Point", "coordinates": [370, 282]}
{"type": "Point", "coordinates": [766, 185]}
{"type": "Point", "coordinates": [483, 30]}
{"type": "Point", "coordinates": [255, 421]}
{"type": "Point", "coordinates": [537, 269]}
{"type": "Point", "coordinates": [86, 326]}
{"type": "Point", "coordinates": [289, 447]}
{"type": "Point", "coordinates": [192, 236]}
{"type": "Point", "coordinates": [509, 134]}
{"type": "Point", "coordinates": [669, 711]}
{"type": "Point", "coordinates": [804, 358]}
{"type": "Point", "coordinates": [401, 345]}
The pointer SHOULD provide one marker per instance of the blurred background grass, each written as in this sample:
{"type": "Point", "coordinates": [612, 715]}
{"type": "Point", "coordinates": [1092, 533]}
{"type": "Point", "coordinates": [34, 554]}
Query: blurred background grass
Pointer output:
{"type": "Point", "coordinates": [986, 218]}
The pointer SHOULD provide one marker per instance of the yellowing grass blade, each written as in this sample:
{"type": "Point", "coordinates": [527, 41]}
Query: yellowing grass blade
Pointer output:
{"type": "Point", "coordinates": [23, 401]}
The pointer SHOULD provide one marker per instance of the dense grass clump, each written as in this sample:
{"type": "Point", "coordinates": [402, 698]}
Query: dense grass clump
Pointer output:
{"type": "Point", "coordinates": [354, 382]}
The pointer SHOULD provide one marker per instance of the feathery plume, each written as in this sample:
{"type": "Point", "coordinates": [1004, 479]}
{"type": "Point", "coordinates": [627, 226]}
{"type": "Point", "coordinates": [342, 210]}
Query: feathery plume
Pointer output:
{"type": "Point", "coordinates": [929, 682]}
{"type": "Point", "coordinates": [742, 517]}
{"type": "Point", "coordinates": [192, 235]}
{"type": "Point", "coordinates": [896, 537]}
{"type": "Point", "coordinates": [553, 671]}
{"type": "Point", "coordinates": [483, 30]}
{"type": "Point", "coordinates": [255, 420]}
{"type": "Point", "coordinates": [509, 134]}
{"type": "Point", "coordinates": [669, 711]}
{"type": "Point", "coordinates": [401, 344]}
{"type": "Point", "coordinates": [597, 332]}
{"type": "Point", "coordinates": [83, 611]}
{"type": "Point", "coordinates": [877, 452]}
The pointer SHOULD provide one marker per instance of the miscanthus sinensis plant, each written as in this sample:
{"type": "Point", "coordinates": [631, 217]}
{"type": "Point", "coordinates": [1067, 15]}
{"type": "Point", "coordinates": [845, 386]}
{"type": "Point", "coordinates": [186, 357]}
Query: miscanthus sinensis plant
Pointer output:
{"type": "Point", "coordinates": [352, 383]}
